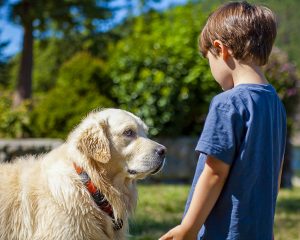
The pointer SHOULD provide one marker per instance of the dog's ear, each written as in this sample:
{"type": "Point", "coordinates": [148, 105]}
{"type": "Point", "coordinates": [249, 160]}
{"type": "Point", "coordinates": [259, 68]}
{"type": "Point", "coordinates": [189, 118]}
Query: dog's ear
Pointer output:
{"type": "Point", "coordinates": [94, 143]}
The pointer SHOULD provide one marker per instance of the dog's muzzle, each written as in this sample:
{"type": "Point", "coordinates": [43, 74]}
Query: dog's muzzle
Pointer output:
{"type": "Point", "coordinates": [159, 167]}
{"type": "Point", "coordinates": [161, 152]}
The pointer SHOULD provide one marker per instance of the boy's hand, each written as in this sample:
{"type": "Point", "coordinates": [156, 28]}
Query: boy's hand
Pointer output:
{"type": "Point", "coordinates": [179, 233]}
{"type": "Point", "coordinates": [207, 191]}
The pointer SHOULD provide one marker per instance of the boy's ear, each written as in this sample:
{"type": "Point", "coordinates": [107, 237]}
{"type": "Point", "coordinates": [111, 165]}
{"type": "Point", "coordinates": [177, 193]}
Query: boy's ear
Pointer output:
{"type": "Point", "coordinates": [224, 51]}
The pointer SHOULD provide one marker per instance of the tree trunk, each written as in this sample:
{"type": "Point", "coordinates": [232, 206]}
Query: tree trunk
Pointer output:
{"type": "Point", "coordinates": [24, 84]}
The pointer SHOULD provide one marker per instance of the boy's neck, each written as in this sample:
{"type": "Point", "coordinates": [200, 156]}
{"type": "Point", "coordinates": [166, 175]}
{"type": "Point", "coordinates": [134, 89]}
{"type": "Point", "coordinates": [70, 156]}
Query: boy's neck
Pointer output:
{"type": "Point", "coordinates": [247, 74]}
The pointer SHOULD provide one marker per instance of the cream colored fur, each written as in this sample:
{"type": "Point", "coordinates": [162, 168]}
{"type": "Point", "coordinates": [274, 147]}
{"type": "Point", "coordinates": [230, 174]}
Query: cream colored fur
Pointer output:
{"type": "Point", "coordinates": [43, 198]}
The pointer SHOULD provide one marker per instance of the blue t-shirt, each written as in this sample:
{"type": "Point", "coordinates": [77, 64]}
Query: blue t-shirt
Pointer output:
{"type": "Point", "coordinates": [245, 128]}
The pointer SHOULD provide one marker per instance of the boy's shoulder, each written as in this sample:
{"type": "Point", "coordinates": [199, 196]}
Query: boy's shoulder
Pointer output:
{"type": "Point", "coordinates": [238, 97]}
{"type": "Point", "coordinates": [228, 95]}
{"type": "Point", "coordinates": [229, 100]}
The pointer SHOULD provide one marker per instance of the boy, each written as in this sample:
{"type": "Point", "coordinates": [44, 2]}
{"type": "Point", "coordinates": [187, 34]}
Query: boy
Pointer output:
{"type": "Point", "coordinates": [241, 147]}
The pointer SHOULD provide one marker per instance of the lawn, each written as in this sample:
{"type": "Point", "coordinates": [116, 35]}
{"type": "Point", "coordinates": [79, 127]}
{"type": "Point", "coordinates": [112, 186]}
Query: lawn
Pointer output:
{"type": "Point", "coordinates": [160, 207]}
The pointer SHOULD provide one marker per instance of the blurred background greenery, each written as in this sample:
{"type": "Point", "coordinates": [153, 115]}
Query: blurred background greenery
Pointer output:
{"type": "Point", "coordinates": [78, 55]}
{"type": "Point", "coordinates": [148, 64]}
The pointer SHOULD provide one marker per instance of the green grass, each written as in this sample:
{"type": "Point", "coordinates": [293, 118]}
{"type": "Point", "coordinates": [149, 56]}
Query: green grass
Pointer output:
{"type": "Point", "coordinates": [297, 173]}
{"type": "Point", "coordinates": [160, 207]}
{"type": "Point", "coordinates": [287, 218]}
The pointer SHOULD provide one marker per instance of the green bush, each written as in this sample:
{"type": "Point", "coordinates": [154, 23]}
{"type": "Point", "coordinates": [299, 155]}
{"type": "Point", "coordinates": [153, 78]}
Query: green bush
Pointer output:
{"type": "Point", "coordinates": [154, 71]}
{"type": "Point", "coordinates": [48, 58]}
{"type": "Point", "coordinates": [49, 55]}
{"type": "Point", "coordinates": [158, 73]}
{"type": "Point", "coordinates": [80, 88]}
{"type": "Point", "coordinates": [14, 122]}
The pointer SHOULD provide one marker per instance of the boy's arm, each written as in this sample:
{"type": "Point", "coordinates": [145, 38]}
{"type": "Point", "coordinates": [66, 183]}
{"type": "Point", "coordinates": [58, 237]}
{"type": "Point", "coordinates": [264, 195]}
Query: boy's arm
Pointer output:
{"type": "Point", "coordinates": [206, 193]}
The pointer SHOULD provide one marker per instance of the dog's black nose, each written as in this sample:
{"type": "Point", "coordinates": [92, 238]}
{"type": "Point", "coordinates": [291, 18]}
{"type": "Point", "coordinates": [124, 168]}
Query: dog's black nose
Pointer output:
{"type": "Point", "coordinates": [161, 151]}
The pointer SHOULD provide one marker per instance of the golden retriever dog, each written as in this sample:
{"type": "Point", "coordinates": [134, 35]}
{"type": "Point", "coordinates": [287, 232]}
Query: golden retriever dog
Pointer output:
{"type": "Point", "coordinates": [84, 189]}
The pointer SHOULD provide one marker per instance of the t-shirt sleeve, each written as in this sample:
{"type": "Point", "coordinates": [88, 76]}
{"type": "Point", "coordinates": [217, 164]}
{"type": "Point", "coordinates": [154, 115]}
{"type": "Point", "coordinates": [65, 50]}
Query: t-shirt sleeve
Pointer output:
{"type": "Point", "coordinates": [222, 132]}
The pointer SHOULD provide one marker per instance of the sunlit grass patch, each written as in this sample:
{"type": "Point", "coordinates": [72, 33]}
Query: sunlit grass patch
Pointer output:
{"type": "Point", "coordinates": [287, 218]}
{"type": "Point", "coordinates": [160, 207]}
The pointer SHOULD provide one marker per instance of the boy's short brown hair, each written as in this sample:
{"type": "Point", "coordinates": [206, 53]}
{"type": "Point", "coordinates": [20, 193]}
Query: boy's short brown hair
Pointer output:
{"type": "Point", "coordinates": [247, 30]}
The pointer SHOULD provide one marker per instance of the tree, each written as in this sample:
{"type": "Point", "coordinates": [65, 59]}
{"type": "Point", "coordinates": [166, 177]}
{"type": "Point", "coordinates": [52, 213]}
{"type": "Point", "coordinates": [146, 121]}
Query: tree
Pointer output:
{"type": "Point", "coordinates": [3, 63]}
{"type": "Point", "coordinates": [83, 80]}
{"type": "Point", "coordinates": [40, 19]}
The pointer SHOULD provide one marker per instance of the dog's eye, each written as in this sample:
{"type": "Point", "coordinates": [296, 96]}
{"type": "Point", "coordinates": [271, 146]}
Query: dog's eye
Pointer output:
{"type": "Point", "coordinates": [129, 133]}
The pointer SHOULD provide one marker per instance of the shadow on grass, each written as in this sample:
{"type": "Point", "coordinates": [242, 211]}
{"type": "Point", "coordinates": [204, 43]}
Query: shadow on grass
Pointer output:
{"type": "Point", "coordinates": [289, 205]}
{"type": "Point", "coordinates": [138, 227]}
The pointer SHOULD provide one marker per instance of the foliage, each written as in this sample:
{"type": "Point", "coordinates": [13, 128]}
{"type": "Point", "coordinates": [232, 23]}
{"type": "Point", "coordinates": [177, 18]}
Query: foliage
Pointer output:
{"type": "Point", "coordinates": [51, 53]}
{"type": "Point", "coordinates": [158, 74]}
{"type": "Point", "coordinates": [149, 66]}
{"type": "Point", "coordinates": [40, 19]}
{"type": "Point", "coordinates": [81, 86]}
{"type": "Point", "coordinates": [14, 123]}
{"type": "Point", "coordinates": [48, 58]}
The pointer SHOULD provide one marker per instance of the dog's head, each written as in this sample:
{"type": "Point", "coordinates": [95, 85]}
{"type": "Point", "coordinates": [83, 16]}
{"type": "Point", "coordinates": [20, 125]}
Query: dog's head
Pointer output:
{"type": "Point", "coordinates": [119, 140]}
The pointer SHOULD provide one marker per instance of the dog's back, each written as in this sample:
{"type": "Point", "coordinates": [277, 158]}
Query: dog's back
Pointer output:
{"type": "Point", "coordinates": [41, 200]}
{"type": "Point", "coordinates": [18, 198]}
